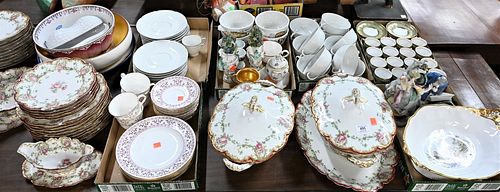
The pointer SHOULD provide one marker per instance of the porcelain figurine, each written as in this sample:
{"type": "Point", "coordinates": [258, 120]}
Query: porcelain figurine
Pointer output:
{"type": "Point", "coordinates": [277, 69]}
{"type": "Point", "coordinates": [435, 85]}
{"type": "Point", "coordinates": [255, 51]}
{"type": "Point", "coordinates": [418, 70]}
{"type": "Point", "coordinates": [227, 53]}
{"type": "Point", "coordinates": [402, 95]}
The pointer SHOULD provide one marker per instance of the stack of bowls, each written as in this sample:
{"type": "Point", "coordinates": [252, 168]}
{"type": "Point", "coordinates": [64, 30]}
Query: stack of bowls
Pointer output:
{"type": "Point", "coordinates": [161, 59]}
{"type": "Point", "coordinates": [176, 96]}
{"type": "Point", "coordinates": [274, 25]}
{"type": "Point", "coordinates": [8, 116]}
{"type": "Point", "coordinates": [15, 38]}
{"type": "Point", "coordinates": [162, 25]}
{"type": "Point", "coordinates": [156, 148]}
{"type": "Point", "coordinates": [63, 97]}
{"type": "Point", "coordinates": [118, 52]}
{"type": "Point", "coordinates": [236, 23]}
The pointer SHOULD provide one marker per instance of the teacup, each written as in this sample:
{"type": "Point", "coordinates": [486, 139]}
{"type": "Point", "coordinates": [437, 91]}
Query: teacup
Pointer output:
{"type": "Point", "coordinates": [406, 52]}
{"type": "Point", "coordinates": [394, 62]}
{"type": "Point", "coordinates": [312, 67]}
{"type": "Point", "coordinates": [390, 51]}
{"type": "Point", "coordinates": [313, 42]}
{"type": "Point", "coordinates": [272, 49]}
{"type": "Point", "coordinates": [136, 83]}
{"type": "Point", "coordinates": [236, 23]}
{"type": "Point", "coordinates": [360, 70]}
{"type": "Point", "coordinates": [382, 75]}
{"type": "Point", "coordinates": [371, 42]}
{"type": "Point", "coordinates": [377, 62]}
{"type": "Point", "coordinates": [193, 44]}
{"type": "Point", "coordinates": [241, 54]}
{"type": "Point", "coordinates": [374, 52]}
{"type": "Point", "coordinates": [127, 108]}
{"type": "Point", "coordinates": [280, 39]}
{"type": "Point", "coordinates": [330, 41]}
{"type": "Point", "coordinates": [247, 75]}
{"type": "Point", "coordinates": [423, 52]}
{"type": "Point", "coordinates": [240, 43]}
{"type": "Point", "coordinates": [303, 26]}
{"type": "Point", "coordinates": [273, 24]}
{"type": "Point", "coordinates": [388, 41]}
{"type": "Point", "coordinates": [334, 24]}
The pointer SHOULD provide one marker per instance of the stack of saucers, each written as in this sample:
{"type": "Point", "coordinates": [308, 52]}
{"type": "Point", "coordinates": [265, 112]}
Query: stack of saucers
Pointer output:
{"type": "Point", "coordinates": [156, 148]}
{"type": "Point", "coordinates": [8, 116]}
{"type": "Point", "coordinates": [16, 43]}
{"type": "Point", "coordinates": [162, 25]}
{"type": "Point", "coordinates": [160, 59]}
{"type": "Point", "coordinates": [176, 96]}
{"type": "Point", "coordinates": [63, 97]}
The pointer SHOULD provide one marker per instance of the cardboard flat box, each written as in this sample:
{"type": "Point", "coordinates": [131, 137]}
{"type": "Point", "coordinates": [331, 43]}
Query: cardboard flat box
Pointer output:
{"type": "Point", "coordinates": [290, 9]}
{"type": "Point", "coordinates": [199, 65]}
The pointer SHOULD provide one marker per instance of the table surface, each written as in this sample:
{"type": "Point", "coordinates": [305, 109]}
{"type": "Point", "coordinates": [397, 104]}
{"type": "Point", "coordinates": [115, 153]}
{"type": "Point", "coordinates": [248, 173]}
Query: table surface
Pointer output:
{"type": "Point", "coordinates": [471, 79]}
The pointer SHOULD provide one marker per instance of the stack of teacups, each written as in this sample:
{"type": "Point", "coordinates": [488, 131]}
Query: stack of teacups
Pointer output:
{"type": "Point", "coordinates": [136, 83]}
{"type": "Point", "coordinates": [162, 25]}
{"type": "Point", "coordinates": [16, 43]}
{"type": "Point", "coordinates": [176, 96]}
{"type": "Point", "coordinates": [274, 25]}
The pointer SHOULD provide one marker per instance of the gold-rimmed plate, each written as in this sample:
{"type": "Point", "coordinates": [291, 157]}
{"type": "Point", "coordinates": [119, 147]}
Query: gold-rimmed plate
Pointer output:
{"type": "Point", "coordinates": [371, 29]}
{"type": "Point", "coordinates": [401, 29]}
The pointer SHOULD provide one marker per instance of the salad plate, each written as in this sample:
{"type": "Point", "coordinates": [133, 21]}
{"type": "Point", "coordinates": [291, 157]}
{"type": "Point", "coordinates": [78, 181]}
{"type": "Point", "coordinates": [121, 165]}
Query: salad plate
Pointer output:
{"type": "Point", "coordinates": [250, 124]}
{"type": "Point", "coordinates": [337, 99]}
{"type": "Point", "coordinates": [175, 95]}
{"type": "Point", "coordinates": [9, 120]}
{"type": "Point", "coordinates": [163, 56]}
{"type": "Point", "coordinates": [336, 167]}
{"type": "Point", "coordinates": [453, 142]}
{"type": "Point", "coordinates": [55, 84]}
{"type": "Point", "coordinates": [401, 29]}
{"type": "Point", "coordinates": [162, 24]}
{"type": "Point", "coordinates": [156, 148]}
{"type": "Point", "coordinates": [371, 29]}
{"type": "Point", "coordinates": [9, 79]}
{"type": "Point", "coordinates": [13, 23]}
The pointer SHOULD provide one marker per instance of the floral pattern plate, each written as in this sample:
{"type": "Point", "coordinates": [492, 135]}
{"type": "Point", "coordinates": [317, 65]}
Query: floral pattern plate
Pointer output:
{"type": "Point", "coordinates": [8, 79]}
{"type": "Point", "coordinates": [12, 22]}
{"type": "Point", "coordinates": [251, 123]}
{"type": "Point", "coordinates": [54, 84]}
{"type": "Point", "coordinates": [155, 148]}
{"type": "Point", "coordinates": [86, 170]}
{"type": "Point", "coordinates": [352, 114]}
{"type": "Point", "coordinates": [175, 93]}
{"type": "Point", "coordinates": [336, 167]}
{"type": "Point", "coordinates": [9, 119]}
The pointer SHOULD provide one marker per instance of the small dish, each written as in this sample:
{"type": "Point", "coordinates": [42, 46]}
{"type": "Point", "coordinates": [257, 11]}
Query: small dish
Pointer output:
{"type": "Point", "coordinates": [374, 52]}
{"type": "Point", "coordinates": [394, 62]}
{"type": "Point", "coordinates": [390, 51]}
{"type": "Point", "coordinates": [371, 29]}
{"type": "Point", "coordinates": [175, 94]}
{"type": "Point", "coordinates": [9, 79]}
{"type": "Point", "coordinates": [418, 42]}
{"type": "Point", "coordinates": [382, 75]}
{"type": "Point", "coordinates": [406, 52]}
{"type": "Point", "coordinates": [423, 52]}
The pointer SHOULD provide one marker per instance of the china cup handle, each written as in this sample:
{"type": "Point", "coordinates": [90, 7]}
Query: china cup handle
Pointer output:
{"type": "Point", "coordinates": [236, 167]}
{"type": "Point", "coordinates": [142, 98]}
{"type": "Point", "coordinates": [203, 41]}
{"type": "Point", "coordinates": [309, 76]}
{"type": "Point", "coordinates": [293, 35]}
{"type": "Point", "coordinates": [220, 28]}
{"type": "Point", "coordinates": [363, 163]}
{"type": "Point", "coordinates": [122, 75]}
{"type": "Point", "coordinates": [152, 84]}
{"type": "Point", "coordinates": [285, 53]}
{"type": "Point", "coordinates": [267, 83]}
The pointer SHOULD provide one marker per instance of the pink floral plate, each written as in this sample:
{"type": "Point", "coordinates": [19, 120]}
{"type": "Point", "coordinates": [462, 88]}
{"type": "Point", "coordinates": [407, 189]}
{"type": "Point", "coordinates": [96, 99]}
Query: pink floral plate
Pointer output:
{"type": "Point", "coordinates": [155, 148]}
{"type": "Point", "coordinates": [175, 93]}
{"type": "Point", "coordinates": [336, 167]}
{"type": "Point", "coordinates": [9, 79]}
{"type": "Point", "coordinates": [12, 22]}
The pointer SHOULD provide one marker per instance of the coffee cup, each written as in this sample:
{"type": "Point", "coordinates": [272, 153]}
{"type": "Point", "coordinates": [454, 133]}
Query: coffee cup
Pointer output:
{"type": "Point", "coordinates": [273, 49]}
{"type": "Point", "coordinates": [193, 44]}
{"type": "Point", "coordinates": [127, 108]}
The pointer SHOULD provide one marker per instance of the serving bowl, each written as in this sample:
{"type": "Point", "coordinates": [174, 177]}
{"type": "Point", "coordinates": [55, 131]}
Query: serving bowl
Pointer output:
{"type": "Point", "coordinates": [453, 142]}
{"type": "Point", "coordinates": [121, 41]}
{"type": "Point", "coordinates": [272, 23]}
{"type": "Point", "coordinates": [236, 23]}
{"type": "Point", "coordinates": [66, 18]}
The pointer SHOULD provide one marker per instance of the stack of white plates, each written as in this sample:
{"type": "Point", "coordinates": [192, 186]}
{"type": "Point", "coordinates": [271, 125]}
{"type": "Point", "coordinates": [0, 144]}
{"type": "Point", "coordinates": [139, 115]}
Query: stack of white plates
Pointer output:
{"type": "Point", "coordinates": [176, 96]}
{"type": "Point", "coordinates": [156, 148]}
{"type": "Point", "coordinates": [162, 25]}
{"type": "Point", "coordinates": [16, 43]}
{"type": "Point", "coordinates": [161, 59]}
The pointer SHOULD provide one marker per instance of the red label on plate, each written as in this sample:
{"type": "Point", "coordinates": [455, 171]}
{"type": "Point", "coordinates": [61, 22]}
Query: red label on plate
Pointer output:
{"type": "Point", "coordinates": [180, 98]}
{"type": "Point", "coordinates": [270, 98]}
{"type": "Point", "coordinates": [156, 145]}
{"type": "Point", "coordinates": [373, 121]}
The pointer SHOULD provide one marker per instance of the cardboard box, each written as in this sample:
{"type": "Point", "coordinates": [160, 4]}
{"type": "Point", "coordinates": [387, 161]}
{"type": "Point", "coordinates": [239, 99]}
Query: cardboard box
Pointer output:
{"type": "Point", "coordinates": [109, 177]}
{"type": "Point", "coordinates": [290, 9]}
{"type": "Point", "coordinates": [417, 182]}
{"type": "Point", "coordinates": [222, 87]}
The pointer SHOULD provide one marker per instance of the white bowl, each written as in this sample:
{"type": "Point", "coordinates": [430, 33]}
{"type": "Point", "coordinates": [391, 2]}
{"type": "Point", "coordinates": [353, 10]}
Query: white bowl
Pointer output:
{"type": "Point", "coordinates": [330, 41]}
{"type": "Point", "coordinates": [348, 39]}
{"type": "Point", "coordinates": [280, 39]}
{"type": "Point", "coordinates": [273, 24]}
{"type": "Point", "coordinates": [237, 21]}
{"type": "Point", "coordinates": [313, 42]}
{"type": "Point", "coordinates": [317, 66]}
{"type": "Point", "coordinates": [453, 142]}
{"type": "Point", "coordinates": [335, 24]}
{"type": "Point", "coordinates": [303, 26]}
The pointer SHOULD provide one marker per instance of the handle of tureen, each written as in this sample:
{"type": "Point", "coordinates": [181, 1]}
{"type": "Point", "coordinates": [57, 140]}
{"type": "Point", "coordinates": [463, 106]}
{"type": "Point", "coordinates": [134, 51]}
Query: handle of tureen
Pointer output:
{"type": "Point", "coordinates": [364, 162]}
{"type": "Point", "coordinates": [266, 83]}
{"type": "Point", "coordinates": [354, 98]}
{"type": "Point", "coordinates": [235, 166]}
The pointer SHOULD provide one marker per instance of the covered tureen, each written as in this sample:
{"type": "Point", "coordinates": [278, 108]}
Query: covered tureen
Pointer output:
{"type": "Point", "coordinates": [250, 124]}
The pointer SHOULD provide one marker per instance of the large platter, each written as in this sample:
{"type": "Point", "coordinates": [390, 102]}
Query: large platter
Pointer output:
{"type": "Point", "coordinates": [336, 167]}
{"type": "Point", "coordinates": [251, 123]}
{"type": "Point", "coordinates": [54, 84]}
{"type": "Point", "coordinates": [354, 124]}
{"type": "Point", "coordinates": [155, 148]}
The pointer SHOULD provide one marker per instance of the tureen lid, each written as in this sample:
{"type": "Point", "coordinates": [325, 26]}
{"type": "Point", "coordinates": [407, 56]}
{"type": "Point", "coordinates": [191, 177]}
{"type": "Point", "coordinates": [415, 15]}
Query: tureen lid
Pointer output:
{"type": "Point", "coordinates": [251, 123]}
{"type": "Point", "coordinates": [352, 114]}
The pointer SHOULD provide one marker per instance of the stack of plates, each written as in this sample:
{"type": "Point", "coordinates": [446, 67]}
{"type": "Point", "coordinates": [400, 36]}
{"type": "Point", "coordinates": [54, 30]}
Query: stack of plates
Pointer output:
{"type": "Point", "coordinates": [161, 59]}
{"type": "Point", "coordinates": [16, 43]}
{"type": "Point", "coordinates": [176, 96]}
{"type": "Point", "coordinates": [63, 97]}
{"type": "Point", "coordinates": [162, 25]}
{"type": "Point", "coordinates": [8, 116]}
{"type": "Point", "coordinates": [156, 148]}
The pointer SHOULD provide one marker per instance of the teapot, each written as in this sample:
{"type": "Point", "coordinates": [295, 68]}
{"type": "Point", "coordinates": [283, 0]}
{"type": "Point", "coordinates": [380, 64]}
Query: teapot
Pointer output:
{"type": "Point", "coordinates": [277, 68]}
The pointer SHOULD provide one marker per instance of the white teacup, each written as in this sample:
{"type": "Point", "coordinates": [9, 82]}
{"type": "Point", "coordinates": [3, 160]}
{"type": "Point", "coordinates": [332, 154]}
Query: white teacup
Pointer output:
{"type": "Point", "coordinates": [241, 53]}
{"type": "Point", "coordinates": [136, 83]}
{"type": "Point", "coordinates": [273, 49]}
{"type": "Point", "coordinates": [236, 22]}
{"type": "Point", "coordinates": [334, 24]}
{"type": "Point", "coordinates": [313, 42]}
{"type": "Point", "coordinates": [382, 75]}
{"type": "Point", "coordinates": [377, 62]}
{"type": "Point", "coordinates": [127, 108]}
{"type": "Point", "coordinates": [388, 41]}
{"type": "Point", "coordinates": [193, 44]}
{"type": "Point", "coordinates": [312, 67]}
{"type": "Point", "coordinates": [303, 26]}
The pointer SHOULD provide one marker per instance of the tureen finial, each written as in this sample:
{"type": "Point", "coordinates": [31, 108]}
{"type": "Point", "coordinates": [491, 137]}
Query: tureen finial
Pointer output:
{"type": "Point", "coordinates": [355, 98]}
{"type": "Point", "coordinates": [253, 106]}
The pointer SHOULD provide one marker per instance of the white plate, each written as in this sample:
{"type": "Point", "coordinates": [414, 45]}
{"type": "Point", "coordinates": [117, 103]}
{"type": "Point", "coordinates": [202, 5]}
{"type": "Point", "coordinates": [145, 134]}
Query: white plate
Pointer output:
{"type": "Point", "coordinates": [161, 56]}
{"type": "Point", "coordinates": [174, 93]}
{"type": "Point", "coordinates": [161, 24]}
{"type": "Point", "coordinates": [336, 167]}
{"type": "Point", "coordinates": [155, 147]}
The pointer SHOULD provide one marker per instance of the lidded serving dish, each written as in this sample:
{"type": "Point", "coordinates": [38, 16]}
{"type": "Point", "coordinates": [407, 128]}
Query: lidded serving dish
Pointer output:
{"type": "Point", "coordinates": [452, 142]}
{"type": "Point", "coordinates": [250, 124]}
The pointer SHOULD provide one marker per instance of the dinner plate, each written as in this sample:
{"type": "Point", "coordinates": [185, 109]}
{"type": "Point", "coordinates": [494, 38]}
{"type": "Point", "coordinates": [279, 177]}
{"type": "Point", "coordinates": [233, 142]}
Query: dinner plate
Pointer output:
{"type": "Point", "coordinates": [371, 29]}
{"type": "Point", "coordinates": [401, 29]}
{"type": "Point", "coordinates": [161, 24]}
{"type": "Point", "coordinates": [334, 166]}
{"type": "Point", "coordinates": [12, 22]}
{"type": "Point", "coordinates": [155, 147]}
{"type": "Point", "coordinates": [160, 56]}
